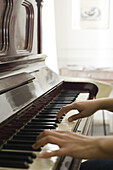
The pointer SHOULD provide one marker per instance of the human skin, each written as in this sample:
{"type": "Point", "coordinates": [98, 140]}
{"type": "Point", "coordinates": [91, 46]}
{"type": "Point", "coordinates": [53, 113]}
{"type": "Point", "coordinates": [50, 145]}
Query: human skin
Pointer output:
{"type": "Point", "coordinates": [87, 108]}
{"type": "Point", "coordinates": [76, 145]}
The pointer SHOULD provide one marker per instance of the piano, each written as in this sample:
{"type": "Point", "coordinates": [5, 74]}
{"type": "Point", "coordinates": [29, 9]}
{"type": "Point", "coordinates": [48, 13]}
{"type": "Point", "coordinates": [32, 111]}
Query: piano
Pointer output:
{"type": "Point", "coordinates": [31, 93]}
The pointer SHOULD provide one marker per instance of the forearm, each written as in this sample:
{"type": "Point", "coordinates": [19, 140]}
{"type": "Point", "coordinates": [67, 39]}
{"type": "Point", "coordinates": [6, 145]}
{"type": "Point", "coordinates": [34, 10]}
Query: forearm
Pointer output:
{"type": "Point", "coordinates": [104, 104]}
{"type": "Point", "coordinates": [103, 148]}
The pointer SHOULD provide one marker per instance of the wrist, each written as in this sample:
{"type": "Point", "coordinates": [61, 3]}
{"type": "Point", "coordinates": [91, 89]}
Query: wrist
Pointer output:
{"type": "Point", "coordinates": [95, 149]}
{"type": "Point", "coordinates": [105, 146]}
{"type": "Point", "coordinates": [90, 148]}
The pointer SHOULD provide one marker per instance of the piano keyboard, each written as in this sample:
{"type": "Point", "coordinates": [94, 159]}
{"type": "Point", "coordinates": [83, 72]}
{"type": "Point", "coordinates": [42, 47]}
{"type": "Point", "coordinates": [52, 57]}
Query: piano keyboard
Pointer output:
{"type": "Point", "coordinates": [17, 152]}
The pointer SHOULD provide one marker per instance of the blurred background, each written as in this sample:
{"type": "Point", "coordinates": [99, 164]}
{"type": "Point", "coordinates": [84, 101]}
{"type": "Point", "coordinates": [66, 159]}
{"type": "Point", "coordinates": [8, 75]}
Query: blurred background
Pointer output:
{"type": "Point", "coordinates": [77, 37]}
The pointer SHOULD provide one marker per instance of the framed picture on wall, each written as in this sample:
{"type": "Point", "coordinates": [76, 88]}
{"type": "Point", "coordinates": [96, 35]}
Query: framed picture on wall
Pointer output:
{"type": "Point", "coordinates": [90, 14]}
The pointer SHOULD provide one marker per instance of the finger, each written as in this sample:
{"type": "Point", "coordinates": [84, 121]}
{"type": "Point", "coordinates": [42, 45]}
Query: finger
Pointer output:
{"type": "Point", "coordinates": [59, 152]}
{"type": "Point", "coordinates": [64, 109]}
{"type": "Point", "coordinates": [75, 117]}
{"type": "Point", "coordinates": [39, 136]}
{"type": "Point", "coordinates": [45, 140]}
{"type": "Point", "coordinates": [42, 134]}
{"type": "Point", "coordinates": [71, 134]}
{"type": "Point", "coordinates": [60, 113]}
{"type": "Point", "coordinates": [49, 132]}
{"type": "Point", "coordinates": [63, 131]}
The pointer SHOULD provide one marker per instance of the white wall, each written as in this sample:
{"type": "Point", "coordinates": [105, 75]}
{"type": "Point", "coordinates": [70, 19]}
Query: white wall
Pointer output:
{"type": "Point", "coordinates": [68, 46]}
{"type": "Point", "coordinates": [83, 47]}
{"type": "Point", "coordinates": [48, 34]}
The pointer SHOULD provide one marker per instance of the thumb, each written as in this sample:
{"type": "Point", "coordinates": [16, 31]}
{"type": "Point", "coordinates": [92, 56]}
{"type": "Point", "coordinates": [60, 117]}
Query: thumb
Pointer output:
{"type": "Point", "coordinates": [53, 153]}
{"type": "Point", "coordinates": [75, 117]}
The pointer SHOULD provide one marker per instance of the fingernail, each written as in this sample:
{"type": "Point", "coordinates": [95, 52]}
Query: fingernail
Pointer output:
{"type": "Point", "coordinates": [70, 119]}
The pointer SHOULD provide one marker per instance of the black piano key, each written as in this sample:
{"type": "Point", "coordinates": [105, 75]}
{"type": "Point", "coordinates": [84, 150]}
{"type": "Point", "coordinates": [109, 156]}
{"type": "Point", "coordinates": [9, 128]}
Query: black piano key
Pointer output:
{"type": "Point", "coordinates": [24, 142]}
{"type": "Point", "coordinates": [26, 137]}
{"type": "Point", "coordinates": [49, 110]}
{"type": "Point", "coordinates": [68, 94]}
{"type": "Point", "coordinates": [61, 102]}
{"type": "Point", "coordinates": [46, 115]}
{"type": "Point", "coordinates": [16, 158]}
{"type": "Point", "coordinates": [32, 130]}
{"type": "Point", "coordinates": [58, 120]}
{"type": "Point", "coordinates": [20, 147]}
{"type": "Point", "coordinates": [29, 154]}
{"type": "Point", "coordinates": [14, 164]}
{"type": "Point", "coordinates": [55, 106]}
{"type": "Point", "coordinates": [43, 120]}
{"type": "Point", "coordinates": [64, 98]}
{"type": "Point", "coordinates": [28, 133]}
{"type": "Point", "coordinates": [39, 127]}
{"type": "Point", "coordinates": [42, 123]}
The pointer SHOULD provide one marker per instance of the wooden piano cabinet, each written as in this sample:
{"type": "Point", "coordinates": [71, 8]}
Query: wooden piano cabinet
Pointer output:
{"type": "Point", "coordinates": [30, 91]}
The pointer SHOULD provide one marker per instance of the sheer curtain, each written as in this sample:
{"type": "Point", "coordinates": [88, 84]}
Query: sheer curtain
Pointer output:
{"type": "Point", "coordinates": [48, 34]}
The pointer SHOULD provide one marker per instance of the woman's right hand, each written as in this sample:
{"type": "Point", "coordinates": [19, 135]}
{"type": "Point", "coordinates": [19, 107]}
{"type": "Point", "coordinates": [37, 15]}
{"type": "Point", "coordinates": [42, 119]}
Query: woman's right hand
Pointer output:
{"type": "Point", "coordinates": [85, 109]}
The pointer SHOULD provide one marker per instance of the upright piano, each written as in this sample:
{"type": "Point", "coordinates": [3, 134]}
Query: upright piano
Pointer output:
{"type": "Point", "coordinates": [31, 93]}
